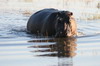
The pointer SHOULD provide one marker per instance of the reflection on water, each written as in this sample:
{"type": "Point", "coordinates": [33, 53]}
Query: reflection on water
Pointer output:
{"type": "Point", "coordinates": [63, 48]}
{"type": "Point", "coordinates": [50, 51]}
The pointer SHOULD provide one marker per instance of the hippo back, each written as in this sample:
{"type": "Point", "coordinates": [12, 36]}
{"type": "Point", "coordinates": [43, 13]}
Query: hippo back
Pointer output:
{"type": "Point", "coordinates": [50, 22]}
{"type": "Point", "coordinates": [40, 21]}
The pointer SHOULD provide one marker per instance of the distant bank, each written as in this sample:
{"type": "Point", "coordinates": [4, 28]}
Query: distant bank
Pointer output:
{"type": "Point", "coordinates": [83, 9]}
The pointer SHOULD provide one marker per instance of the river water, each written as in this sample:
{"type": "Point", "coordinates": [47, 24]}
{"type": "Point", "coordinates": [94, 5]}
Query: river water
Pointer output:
{"type": "Point", "coordinates": [18, 48]}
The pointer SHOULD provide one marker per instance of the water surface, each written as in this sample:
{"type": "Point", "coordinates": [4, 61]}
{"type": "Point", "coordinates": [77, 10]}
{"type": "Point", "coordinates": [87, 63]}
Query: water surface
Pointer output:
{"type": "Point", "coordinates": [18, 48]}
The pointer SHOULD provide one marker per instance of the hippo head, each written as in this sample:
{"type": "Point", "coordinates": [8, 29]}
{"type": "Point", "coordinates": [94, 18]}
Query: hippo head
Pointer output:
{"type": "Point", "coordinates": [65, 24]}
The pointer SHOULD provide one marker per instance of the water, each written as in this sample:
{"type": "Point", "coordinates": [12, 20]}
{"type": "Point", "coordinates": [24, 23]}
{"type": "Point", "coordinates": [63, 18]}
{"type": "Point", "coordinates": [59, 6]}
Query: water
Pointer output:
{"type": "Point", "coordinates": [18, 48]}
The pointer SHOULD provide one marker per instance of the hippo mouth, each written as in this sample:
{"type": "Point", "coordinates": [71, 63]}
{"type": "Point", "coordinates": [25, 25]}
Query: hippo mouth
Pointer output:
{"type": "Point", "coordinates": [63, 34]}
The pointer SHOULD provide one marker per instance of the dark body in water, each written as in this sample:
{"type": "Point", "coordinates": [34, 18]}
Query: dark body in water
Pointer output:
{"type": "Point", "coordinates": [52, 22]}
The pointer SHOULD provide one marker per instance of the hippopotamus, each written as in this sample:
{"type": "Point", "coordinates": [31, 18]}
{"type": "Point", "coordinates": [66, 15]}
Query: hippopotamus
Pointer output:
{"type": "Point", "coordinates": [52, 22]}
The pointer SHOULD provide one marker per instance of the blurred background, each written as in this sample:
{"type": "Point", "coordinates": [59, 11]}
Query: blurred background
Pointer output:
{"type": "Point", "coordinates": [82, 9]}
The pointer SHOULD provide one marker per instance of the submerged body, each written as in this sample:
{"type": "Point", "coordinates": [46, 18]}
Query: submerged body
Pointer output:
{"type": "Point", "coordinates": [52, 22]}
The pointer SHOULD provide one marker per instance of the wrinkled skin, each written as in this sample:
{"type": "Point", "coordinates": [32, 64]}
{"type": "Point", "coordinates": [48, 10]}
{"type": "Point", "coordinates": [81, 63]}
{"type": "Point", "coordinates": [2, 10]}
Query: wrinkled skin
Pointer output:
{"type": "Point", "coordinates": [52, 22]}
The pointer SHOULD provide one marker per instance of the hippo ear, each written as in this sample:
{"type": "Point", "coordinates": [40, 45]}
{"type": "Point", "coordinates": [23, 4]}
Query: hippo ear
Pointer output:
{"type": "Point", "coordinates": [69, 13]}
